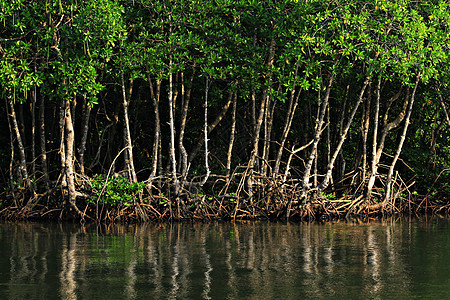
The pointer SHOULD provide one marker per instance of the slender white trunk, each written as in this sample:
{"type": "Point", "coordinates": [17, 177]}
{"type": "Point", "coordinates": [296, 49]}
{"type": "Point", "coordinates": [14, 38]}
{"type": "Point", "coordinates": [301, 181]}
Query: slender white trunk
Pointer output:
{"type": "Point", "coordinates": [318, 132]}
{"type": "Point", "coordinates": [374, 143]}
{"type": "Point", "coordinates": [62, 146]}
{"type": "Point", "coordinates": [172, 132]}
{"type": "Point", "coordinates": [156, 141]}
{"type": "Point", "coordinates": [257, 129]}
{"type": "Point", "coordinates": [343, 137]}
{"type": "Point", "coordinates": [211, 127]}
{"type": "Point", "coordinates": [23, 161]}
{"type": "Point", "coordinates": [379, 146]}
{"type": "Point", "coordinates": [42, 141]}
{"type": "Point", "coordinates": [287, 125]}
{"type": "Point", "coordinates": [365, 130]}
{"type": "Point", "coordinates": [400, 145]}
{"type": "Point", "coordinates": [128, 143]}
{"type": "Point", "coordinates": [11, 162]}
{"type": "Point", "coordinates": [205, 132]}
{"type": "Point", "coordinates": [84, 134]}
{"type": "Point", "coordinates": [443, 106]}
{"type": "Point", "coordinates": [267, 136]}
{"type": "Point", "coordinates": [232, 134]}
{"type": "Point", "coordinates": [69, 141]}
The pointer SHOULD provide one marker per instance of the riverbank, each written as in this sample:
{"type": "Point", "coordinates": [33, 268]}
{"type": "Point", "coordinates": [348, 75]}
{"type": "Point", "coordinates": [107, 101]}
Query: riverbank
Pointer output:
{"type": "Point", "coordinates": [53, 205]}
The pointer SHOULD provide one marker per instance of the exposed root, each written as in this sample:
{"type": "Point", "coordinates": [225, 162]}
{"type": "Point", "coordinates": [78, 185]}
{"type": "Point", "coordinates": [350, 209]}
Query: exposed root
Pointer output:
{"type": "Point", "coordinates": [272, 199]}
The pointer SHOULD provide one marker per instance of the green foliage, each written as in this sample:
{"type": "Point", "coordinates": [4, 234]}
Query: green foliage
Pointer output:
{"type": "Point", "coordinates": [164, 201]}
{"type": "Point", "coordinates": [328, 196]}
{"type": "Point", "coordinates": [114, 191]}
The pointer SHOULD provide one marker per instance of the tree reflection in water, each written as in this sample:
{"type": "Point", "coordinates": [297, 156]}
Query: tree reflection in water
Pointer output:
{"type": "Point", "coordinates": [69, 265]}
{"type": "Point", "coordinates": [218, 260]}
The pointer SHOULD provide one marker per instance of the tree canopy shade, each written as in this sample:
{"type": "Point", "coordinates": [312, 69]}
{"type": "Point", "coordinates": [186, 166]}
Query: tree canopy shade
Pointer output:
{"type": "Point", "coordinates": [224, 108]}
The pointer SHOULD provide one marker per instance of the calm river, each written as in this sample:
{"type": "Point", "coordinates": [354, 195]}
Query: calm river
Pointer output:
{"type": "Point", "coordinates": [392, 259]}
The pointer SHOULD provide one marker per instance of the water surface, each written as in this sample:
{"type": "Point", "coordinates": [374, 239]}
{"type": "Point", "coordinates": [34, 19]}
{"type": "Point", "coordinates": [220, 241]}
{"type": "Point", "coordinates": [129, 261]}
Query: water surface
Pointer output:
{"type": "Point", "coordinates": [391, 259]}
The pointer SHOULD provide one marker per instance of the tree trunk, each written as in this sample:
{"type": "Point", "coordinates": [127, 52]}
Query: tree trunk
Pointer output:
{"type": "Point", "coordinates": [232, 135]}
{"type": "Point", "coordinates": [287, 125]}
{"type": "Point", "coordinates": [291, 155]}
{"type": "Point", "coordinates": [268, 123]}
{"type": "Point", "coordinates": [172, 133]}
{"type": "Point", "coordinates": [395, 123]}
{"type": "Point", "coordinates": [22, 124]}
{"type": "Point", "coordinates": [111, 141]}
{"type": "Point", "coordinates": [435, 132]}
{"type": "Point", "coordinates": [328, 138]}
{"type": "Point", "coordinates": [33, 132]}
{"type": "Point", "coordinates": [400, 145]}
{"type": "Point", "coordinates": [341, 125]}
{"type": "Point", "coordinates": [127, 135]}
{"type": "Point", "coordinates": [11, 161]}
{"type": "Point", "coordinates": [205, 132]}
{"type": "Point", "coordinates": [253, 97]}
{"type": "Point", "coordinates": [261, 168]}
{"type": "Point", "coordinates": [321, 109]}
{"type": "Point", "coordinates": [84, 134]}
{"type": "Point", "coordinates": [69, 141]}
{"type": "Point", "coordinates": [386, 128]}
{"type": "Point", "coordinates": [441, 99]}
{"type": "Point", "coordinates": [42, 141]}
{"type": "Point", "coordinates": [256, 134]}
{"type": "Point", "coordinates": [186, 96]}
{"type": "Point", "coordinates": [365, 130]}
{"type": "Point", "coordinates": [255, 142]}
{"type": "Point", "coordinates": [23, 161]}
{"type": "Point", "coordinates": [157, 138]}
{"type": "Point", "coordinates": [211, 127]}
{"type": "Point", "coordinates": [330, 166]}
{"type": "Point", "coordinates": [373, 167]}
{"type": "Point", "coordinates": [62, 146]}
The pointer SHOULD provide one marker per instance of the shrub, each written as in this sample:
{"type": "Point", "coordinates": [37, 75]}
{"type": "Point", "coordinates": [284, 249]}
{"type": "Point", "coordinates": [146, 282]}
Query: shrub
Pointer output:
{"type": "Point", "coordinates": [116, 190]}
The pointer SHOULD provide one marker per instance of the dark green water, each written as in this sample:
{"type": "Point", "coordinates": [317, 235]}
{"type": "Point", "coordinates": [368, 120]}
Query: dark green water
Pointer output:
{"type": "Point", "coordinates": [395, 259]}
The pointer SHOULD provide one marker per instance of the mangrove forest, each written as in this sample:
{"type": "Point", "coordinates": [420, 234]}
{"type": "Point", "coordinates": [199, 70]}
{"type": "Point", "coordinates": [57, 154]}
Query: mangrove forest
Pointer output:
{"type": "Point", "coordinates": [143, 110]}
